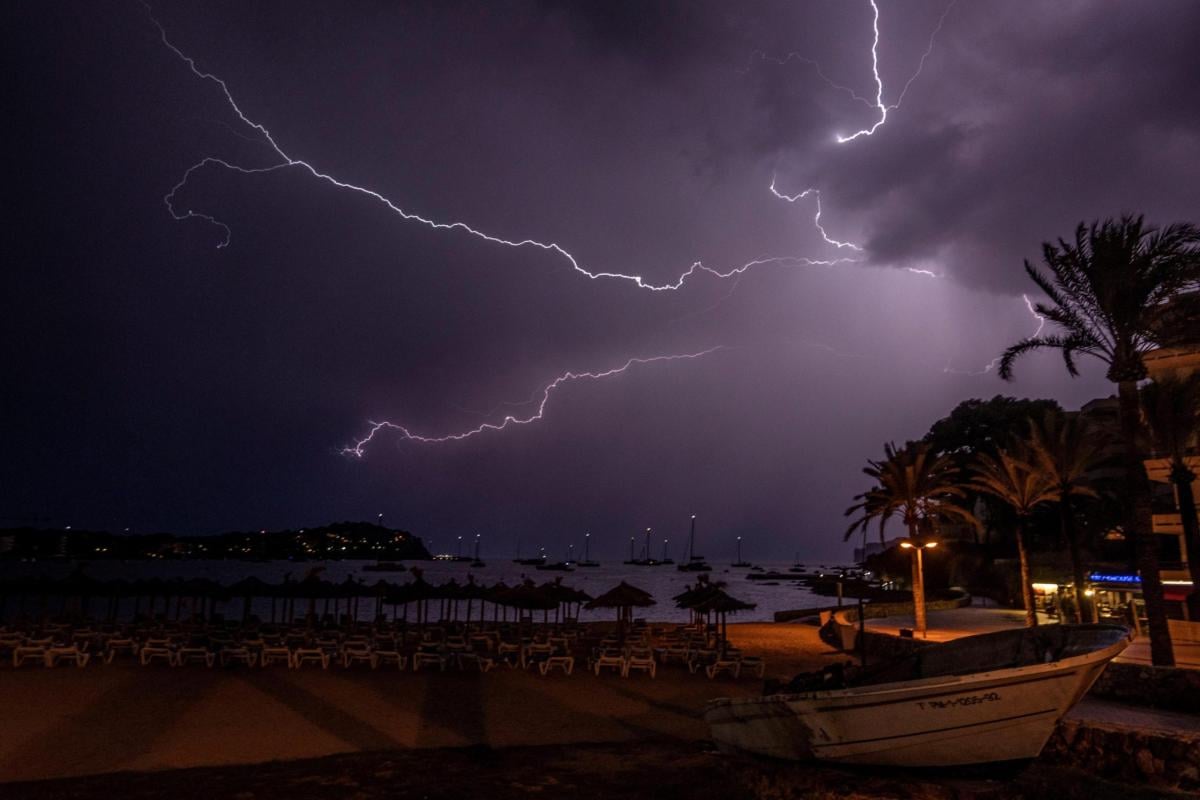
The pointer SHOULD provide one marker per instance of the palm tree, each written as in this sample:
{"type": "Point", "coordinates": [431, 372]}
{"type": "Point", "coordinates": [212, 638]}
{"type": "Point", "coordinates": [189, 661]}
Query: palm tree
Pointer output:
{"type": "Point", "coordinates": [919, 488]}
{"type": "Point", "coordinates": [1012, 479]}
{"type": "Point", "coordinates": [1108, 291]}
{"type": "Point", "coordinates": [1172, 412]}
{"type": "Point", "coordinates": [1067, 450]}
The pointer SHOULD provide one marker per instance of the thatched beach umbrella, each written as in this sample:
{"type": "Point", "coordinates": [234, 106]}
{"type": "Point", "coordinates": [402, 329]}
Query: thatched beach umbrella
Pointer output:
{"type": "Point", "coordinates": [349, 590]}
{"type": "Point", "coordinates": [420, 592]}
{"type": "Point", "coordinates": [624, 598]}
{"type": "Point", "coordinates": [449, 593]}
{"type": "Point", "coordinates": [693, 596]}
{"type": "Point", "coordinates": [380, 589]}
{"type": "Point", "coordinates": [472, 591]}
{"type": "Point", "coordinates": [720, 603]}
{"type": "Point", "coordinates": [496, 596]}
{"type": "Point", "coordinates": [563, 595]}
{"type": "Point", "coordinates": [248, 589]}
{"type": "Point", "coordinates": [530, 597]}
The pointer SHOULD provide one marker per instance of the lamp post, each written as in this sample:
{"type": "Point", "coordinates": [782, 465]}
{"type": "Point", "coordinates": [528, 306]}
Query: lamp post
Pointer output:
{"type": "Point", "coordinates": [919, 581]}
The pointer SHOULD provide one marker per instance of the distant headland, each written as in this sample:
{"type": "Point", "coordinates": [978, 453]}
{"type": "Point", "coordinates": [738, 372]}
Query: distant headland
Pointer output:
{"type": "Point", "coordinates": [338, 540]}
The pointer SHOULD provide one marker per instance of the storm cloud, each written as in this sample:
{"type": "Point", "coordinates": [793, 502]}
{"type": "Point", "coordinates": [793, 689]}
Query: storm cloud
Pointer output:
{"type": "Point", "coordinates": [155, 380]}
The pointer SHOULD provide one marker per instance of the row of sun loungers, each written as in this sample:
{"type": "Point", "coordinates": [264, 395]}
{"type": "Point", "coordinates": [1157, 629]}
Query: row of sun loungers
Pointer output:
{"type": "Point", "coordinates": [419, 648]}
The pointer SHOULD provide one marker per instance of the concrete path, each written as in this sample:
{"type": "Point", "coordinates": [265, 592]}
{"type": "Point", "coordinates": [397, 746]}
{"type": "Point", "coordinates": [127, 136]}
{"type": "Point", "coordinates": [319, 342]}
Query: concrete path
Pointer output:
{"type": "Point", "coordinates": [1094, 711]}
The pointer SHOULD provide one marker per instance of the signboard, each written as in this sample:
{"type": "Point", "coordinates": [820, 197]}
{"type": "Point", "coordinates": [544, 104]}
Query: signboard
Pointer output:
{"type": "Point", "coordinates": [1106, 577]}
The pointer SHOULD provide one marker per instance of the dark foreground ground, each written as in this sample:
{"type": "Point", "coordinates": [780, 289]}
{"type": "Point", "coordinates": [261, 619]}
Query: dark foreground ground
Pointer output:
{"type": "Point", "coordinates": [659, 769]}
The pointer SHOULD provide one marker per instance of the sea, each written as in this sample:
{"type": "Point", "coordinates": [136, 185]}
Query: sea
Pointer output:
{"type": "Point", "coordinates": [662, 582]}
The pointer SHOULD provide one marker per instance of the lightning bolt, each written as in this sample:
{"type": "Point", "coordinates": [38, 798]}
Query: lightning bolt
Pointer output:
{"type": "Point", "coordinates": [991, 365]}
{"type": "Point", "coordinates": [284, 161]}
{"type": "Point", "coordinates": [1041, 320]}
{"type": "Point", "coordinates": [287, 161]}
{"type": "Point", "coordinates": [792, 198]}
{"type": "Point", "coordinates": [358, 448]}
{"type": "Point", "coordinates": [879, 105]}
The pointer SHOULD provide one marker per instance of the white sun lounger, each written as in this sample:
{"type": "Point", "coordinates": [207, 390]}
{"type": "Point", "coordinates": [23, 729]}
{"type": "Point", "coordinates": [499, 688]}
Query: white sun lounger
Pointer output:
{"type": "Point", "coordinates": [310, 655]}
{"type": "Point", "coordinates": [26, 652]}
{"type": "Point", "coordinates": [70, 654]}
{"type": "Point", "coordinates": [156, 653]}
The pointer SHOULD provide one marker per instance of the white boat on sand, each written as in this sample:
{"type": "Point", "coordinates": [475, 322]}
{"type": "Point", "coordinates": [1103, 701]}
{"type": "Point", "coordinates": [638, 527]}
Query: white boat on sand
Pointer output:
{"type": "Point", "coordinates": [991, 697]}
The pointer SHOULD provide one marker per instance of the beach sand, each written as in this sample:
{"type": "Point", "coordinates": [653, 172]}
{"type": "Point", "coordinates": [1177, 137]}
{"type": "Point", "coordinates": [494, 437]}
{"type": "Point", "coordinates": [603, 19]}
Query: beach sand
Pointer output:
{"type": "Point", "coordinates": [656, 769]}
{"type": "Point", "coordinates": [68, 722]}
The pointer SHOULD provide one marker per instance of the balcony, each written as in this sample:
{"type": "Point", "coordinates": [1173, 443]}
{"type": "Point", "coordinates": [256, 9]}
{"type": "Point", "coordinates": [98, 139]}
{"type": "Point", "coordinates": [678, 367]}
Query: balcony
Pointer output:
{"type": "Point", "coordinates": [1158, 467]}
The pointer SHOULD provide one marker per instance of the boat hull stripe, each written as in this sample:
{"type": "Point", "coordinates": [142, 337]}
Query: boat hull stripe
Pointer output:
{"type": "Point", "coordinates": [910, 734]}
{"type": "Point", "coordinates": [961, 689]}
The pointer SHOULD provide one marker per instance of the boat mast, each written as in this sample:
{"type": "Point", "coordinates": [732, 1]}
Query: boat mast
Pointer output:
{"type": "Point", "coordinates": [692, 540]}
{"type": "Point", "coordinates": [586, 551]}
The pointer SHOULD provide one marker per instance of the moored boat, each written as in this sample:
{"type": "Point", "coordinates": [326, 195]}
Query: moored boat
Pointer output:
{"type": "Point", "coordinates": [384, 566]}
{"type": "Point", "coordinates": [992, 697]}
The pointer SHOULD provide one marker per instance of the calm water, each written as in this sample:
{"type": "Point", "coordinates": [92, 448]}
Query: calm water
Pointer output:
{"type": "Point", "coordinates": [662, 582]}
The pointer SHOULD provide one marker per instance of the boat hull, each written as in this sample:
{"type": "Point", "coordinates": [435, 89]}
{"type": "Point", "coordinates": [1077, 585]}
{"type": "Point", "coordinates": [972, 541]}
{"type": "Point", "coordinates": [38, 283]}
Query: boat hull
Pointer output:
{"type": "Point", "coordinates": [982, 717]}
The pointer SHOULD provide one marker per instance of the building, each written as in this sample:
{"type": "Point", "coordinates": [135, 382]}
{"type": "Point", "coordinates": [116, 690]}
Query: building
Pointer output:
{"type": "Point", "coordinates": [1179, 360]}
{"type": "Point", "coordinates": [1116, 586]}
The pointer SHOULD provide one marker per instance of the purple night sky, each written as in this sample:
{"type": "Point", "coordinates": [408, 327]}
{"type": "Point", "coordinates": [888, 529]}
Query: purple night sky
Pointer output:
{"type": "Point", "coordinates": [154, 380]}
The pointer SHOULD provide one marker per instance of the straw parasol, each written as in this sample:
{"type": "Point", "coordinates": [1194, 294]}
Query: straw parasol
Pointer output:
{"type": "Point", "coordinates": [624, 598]}
{"type": "Point", "coordinates": [721, 603]}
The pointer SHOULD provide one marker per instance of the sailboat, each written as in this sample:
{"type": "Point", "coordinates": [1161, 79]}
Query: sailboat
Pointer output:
{"type": "Point", "coordinates": [477, 563]}
{"type": "Point", "coordinates": [694, 563]}
{"type": "Point", "coordinates": [739, 562]}
{"type": "Point", "coordinates": [647, 560]}
{"type": "Point", "coordinates": [587, 559]}
{"type": "Point", "coordinates": [567, 565]}
{"type": "Point", "coordinates": [529, 562]}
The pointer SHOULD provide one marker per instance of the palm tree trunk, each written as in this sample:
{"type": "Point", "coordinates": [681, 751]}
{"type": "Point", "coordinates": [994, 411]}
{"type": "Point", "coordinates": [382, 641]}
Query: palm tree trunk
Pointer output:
{"type": "Point", "coordinates": [918, 584]}
{"type": "Point", "coordinates": [1140, 524]}
{"type": "Point", "coordinates": [1191, 538]}
{"type": "Point", "coordinates": [1083, 608]}
{"type": "Point", "coordinates": [1026, 578]}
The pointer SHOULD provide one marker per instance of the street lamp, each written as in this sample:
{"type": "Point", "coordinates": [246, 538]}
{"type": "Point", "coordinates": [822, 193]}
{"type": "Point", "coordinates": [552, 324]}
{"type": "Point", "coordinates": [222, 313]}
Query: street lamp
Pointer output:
{"type": "Point", "coordinates": [919, 581]}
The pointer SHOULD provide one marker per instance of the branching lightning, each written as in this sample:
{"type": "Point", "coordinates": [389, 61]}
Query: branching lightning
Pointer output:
{"type": "Point", "coordinates": [991, 365]}
{"type": "Point", "coordinates": [879, 105]}
{"type": "Point", "coordinates": [287, 161]}
{"type": "Point", "coordinates": [283, 161]}
{"type": "Point", "coordinates": [357, 449]}
{"type": "Point", "coordinates": [791, 198]}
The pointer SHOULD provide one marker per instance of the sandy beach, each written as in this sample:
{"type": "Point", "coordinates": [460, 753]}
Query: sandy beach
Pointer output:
{"type": "Point", "coordinates": [68, 722]}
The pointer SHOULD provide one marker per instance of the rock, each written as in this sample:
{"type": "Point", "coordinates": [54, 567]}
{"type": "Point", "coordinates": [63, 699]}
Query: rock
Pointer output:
{"type": "Point", "coordinates": [1145, 762]}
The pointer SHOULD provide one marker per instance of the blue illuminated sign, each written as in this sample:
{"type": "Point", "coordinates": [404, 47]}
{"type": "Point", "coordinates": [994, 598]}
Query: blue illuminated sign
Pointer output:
{"type": "Point", "coordinates": [1104, 577]}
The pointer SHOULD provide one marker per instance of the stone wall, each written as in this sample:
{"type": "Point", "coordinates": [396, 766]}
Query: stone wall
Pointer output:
{"type": "Point", "coordinates": [1125, 754]}
{"type": "Point", "coordinates": [956, 599]}
{"type": "Point", "coordinates": [1144, 685]}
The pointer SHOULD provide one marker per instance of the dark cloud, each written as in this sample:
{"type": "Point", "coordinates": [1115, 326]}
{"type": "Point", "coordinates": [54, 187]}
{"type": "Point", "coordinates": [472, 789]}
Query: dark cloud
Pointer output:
{"type": "Point", "coordinates": [155, 380]}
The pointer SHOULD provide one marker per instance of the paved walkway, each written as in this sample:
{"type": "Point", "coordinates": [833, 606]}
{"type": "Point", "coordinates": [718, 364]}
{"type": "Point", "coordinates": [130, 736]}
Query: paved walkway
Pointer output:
{"type": "Point", "coordinates": [1095, 711]}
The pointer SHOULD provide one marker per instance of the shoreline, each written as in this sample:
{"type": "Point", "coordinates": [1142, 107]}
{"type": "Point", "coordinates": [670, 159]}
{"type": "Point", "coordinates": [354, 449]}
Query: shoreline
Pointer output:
{"type": "Point", "coordinates": [664, 769]}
